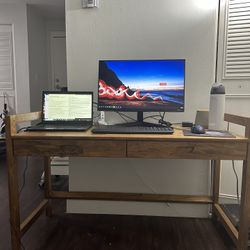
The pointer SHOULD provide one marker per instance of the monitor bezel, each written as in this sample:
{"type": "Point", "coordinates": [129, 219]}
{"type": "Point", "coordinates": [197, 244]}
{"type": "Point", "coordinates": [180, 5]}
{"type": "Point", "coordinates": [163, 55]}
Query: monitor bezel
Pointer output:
{"type": "Point", "coordinates": [138, 109]}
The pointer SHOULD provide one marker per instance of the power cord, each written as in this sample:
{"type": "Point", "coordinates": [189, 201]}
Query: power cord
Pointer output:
{"type": "Point", "coordinates": [152, 117]}
{"type": "Point", "coordinates": [97, 116]}
{"type": "Point", "coordinates": [23, 129]}
{"type": "Point", "coordinates": [164, 123]}
{"type": "Point", "coordinates": [24, 176]}
{"type": "Point", "coordinates": [146, 185]}
{"type": "Point", "coordinates": [235, 173]}
{"type": "Point", "coordinates": [161, 120]}
{"type": "Point", "coordinates": [237, 182]}
{"type": "Point", "coordinates": [122, 115]}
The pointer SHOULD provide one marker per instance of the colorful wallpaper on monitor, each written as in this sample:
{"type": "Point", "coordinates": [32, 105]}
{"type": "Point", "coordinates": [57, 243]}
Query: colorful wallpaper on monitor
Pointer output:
{"type": "Point", "coordinates": [141, 85]}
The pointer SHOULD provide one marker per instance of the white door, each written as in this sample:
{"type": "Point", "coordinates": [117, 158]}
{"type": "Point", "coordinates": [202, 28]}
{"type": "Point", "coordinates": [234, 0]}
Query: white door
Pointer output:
{"type": "Point", "coordinates": [58, 60]}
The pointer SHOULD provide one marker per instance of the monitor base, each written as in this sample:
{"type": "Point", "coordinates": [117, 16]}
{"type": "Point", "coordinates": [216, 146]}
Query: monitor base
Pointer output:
{"type": "Point", "coordinates": [140, 122]}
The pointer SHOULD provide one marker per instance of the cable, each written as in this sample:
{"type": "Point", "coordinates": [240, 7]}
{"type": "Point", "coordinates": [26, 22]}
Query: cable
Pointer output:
{"type": "Point", "coordinates": [152, 116]}
{"type": "Point", "coordinates": [24, 176]}
{"type": "Point", "coordinates": [217, 43]}
{"type": "Point", "coordinates": [122, 114]}
{"type": "Point", "coordinates": [163, 116]}
{"type": "Point", "coordinates": [97, 116]}
{"type": "Point", "coordinates": [23, 128]}
{"type": "Point", "coordinates": [235, 173]}
{"type": "Point", "coordinates": [161, 120]}
{"type": "Point", "coordinates": [237, 182]}
{"type": "Point", "coordinates": [148, 186]}
{"type": "Point", "coordinates": [122, 117]}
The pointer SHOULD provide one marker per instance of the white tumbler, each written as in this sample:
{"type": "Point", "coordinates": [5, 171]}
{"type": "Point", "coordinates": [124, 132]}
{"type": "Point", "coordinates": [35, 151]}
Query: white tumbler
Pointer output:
{"type": "Point", "coordinates": [216, 107]}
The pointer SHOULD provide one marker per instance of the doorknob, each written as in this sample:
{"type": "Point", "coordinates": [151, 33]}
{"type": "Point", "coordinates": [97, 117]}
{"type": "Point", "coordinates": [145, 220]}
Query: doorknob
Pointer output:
{"type": "Point", "coordinates": [58, 86]}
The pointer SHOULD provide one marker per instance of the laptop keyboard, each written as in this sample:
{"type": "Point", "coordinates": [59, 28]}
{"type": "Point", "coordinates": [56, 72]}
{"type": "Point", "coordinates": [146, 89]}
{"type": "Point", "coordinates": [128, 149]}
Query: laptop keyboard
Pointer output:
{"type": "Point", "coordinates": [114, 129]}
{"type": "Point", "coordinates": [59, 127]}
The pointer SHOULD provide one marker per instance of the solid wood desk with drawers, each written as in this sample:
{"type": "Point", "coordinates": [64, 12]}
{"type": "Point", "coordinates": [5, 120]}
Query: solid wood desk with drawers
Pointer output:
{"type": "Point", "coordinates": [86, 144]}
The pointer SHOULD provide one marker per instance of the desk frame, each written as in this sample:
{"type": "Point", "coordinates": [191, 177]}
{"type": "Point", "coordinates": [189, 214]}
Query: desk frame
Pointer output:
{"type": "Point", "coordinates": [153, 146]}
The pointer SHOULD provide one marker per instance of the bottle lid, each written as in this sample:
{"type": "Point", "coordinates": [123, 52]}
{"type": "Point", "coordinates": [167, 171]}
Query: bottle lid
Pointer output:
{"type": "Point", "coordinates": [217, 89]}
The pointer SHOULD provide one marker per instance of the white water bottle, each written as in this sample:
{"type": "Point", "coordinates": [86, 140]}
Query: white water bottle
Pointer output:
{"type": "Point", "coordinates": [217, 107]}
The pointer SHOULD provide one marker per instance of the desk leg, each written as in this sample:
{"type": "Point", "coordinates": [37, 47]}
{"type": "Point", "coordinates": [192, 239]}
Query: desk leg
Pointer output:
{"type": "Point", "coordinates": [245, 200]}
{"type": "Point", "coordinates": [13, 190]}
{"type": "Point", "coordinates": [47, 184]}
{"type": "Point", "coordinates": [14, 204]}
{"type": "Point", "coordinates": [244, 206]}
{"type": "Point", "coordinates": [216, 180]}
{"type": "Point", "coordinates": [216, 170]}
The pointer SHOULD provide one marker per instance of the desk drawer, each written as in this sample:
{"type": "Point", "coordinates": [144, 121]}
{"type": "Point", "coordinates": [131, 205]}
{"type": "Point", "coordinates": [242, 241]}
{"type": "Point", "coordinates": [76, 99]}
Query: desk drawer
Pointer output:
{"type": "Point", "coordinates": [85, 148]}
{"type": "Point", "coordinates": [187, 150]}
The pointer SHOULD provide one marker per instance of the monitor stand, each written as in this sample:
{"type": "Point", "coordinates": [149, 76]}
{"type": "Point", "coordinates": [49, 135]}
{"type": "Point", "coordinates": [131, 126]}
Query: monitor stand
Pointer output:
{"type": "Point", "coordinates": [139, 122]}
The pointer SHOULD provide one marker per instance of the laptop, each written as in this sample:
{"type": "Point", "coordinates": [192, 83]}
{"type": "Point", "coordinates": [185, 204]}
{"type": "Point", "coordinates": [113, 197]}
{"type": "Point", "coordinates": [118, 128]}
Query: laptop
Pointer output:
{"type": "Point", "coordinates": [65, 111]}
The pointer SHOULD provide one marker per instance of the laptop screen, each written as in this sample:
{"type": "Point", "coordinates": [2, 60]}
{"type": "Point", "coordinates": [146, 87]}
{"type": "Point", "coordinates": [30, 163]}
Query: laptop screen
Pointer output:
{"type": "Point", "coordinates": [67, 106]}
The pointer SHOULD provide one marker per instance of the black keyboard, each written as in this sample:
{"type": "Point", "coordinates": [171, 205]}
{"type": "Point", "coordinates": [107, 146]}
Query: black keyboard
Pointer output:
{"type": "Point", "coordinates": [114, 129]}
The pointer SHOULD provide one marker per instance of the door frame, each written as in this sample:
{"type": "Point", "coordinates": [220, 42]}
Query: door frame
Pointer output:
{"type": "Point", "coordinates": [52, 69]}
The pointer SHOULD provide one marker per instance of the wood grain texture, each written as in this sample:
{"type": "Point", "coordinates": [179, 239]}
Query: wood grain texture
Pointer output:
{"type": "Point", "coordinates": [83, 148]}
{"type": "Point", "coordinates": [132, 148]}
{"type": "Point", "coordinates": [14, 208]}
{"type": "Point", "coordinates": [186, 150]}
{"type": "Point", "coordinates": [33, 216]}
{"type": "Point", "coordinates": [177, 136]}
{"type": "Point", "coordinates": [236, 119]}
{"type": "Point", "coordinates": [117, 196]}
{"type": "Point", "coordinates": [47, 176]}
{"type": "Point", "coordinates": [216, 180]}
{"type": "Point", "coordinates": [230, 228]}
{"type": "Point", "coordinates": [27, 117]}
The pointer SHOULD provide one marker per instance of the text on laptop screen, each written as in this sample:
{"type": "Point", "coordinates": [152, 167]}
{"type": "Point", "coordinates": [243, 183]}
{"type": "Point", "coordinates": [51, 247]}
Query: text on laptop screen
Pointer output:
{"type": "Point", "coordinates": [67, 107]}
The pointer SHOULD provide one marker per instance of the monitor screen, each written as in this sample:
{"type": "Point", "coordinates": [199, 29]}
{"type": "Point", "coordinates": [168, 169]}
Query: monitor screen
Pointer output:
{"type": "Point", "coordinates": [141, 85]}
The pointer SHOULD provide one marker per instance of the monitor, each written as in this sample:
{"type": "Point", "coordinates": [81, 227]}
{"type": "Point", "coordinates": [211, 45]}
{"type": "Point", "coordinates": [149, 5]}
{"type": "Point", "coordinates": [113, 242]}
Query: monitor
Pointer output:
{"type": "Point", "coordinates": [141, 85]}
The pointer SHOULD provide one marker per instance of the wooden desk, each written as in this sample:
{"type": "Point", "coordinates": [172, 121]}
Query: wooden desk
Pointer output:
{"type": "Point", "coordinates": [86, 144]}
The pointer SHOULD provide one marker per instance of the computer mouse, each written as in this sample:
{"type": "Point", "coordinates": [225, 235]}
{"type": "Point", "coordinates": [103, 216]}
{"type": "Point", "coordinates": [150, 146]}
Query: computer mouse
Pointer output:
{"type": "Point", "coordinates": [198, 129]}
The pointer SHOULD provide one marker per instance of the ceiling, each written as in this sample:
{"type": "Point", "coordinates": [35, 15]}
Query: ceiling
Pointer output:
{"type": "Point", "coordinates": [50, 9]}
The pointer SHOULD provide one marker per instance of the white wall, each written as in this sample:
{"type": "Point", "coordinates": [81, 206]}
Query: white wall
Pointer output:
{"type": "Point", "coordinates": [39, 30]}
{"type": "Point", "coordinates": [38, 69]}
{"type": "Point", "coordinates": [15, 14]}
{"type": "Point", "coordinates": [51, 27]}
{"type": "Point", "coordinates": [142, 29]}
